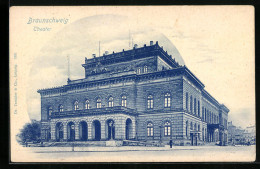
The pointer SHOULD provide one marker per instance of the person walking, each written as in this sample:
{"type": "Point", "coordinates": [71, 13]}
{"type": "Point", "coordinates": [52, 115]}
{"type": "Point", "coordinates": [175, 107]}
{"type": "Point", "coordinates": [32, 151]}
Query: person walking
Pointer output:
{"type": "Point", "coordinates": [170, 143]}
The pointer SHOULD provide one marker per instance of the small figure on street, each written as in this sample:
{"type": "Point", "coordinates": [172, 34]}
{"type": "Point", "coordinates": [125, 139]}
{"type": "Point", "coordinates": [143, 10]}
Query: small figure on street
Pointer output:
{"type": "Point", "coordinates": [72, 146]}
{"type": "Point", "coordinates": [170, 143]}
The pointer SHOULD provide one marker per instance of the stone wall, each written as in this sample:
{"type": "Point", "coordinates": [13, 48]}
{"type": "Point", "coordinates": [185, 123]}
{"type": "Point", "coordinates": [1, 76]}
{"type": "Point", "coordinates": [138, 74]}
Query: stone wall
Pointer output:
{"type": "Point", "coordinates": [158, 88]}
{"type": "Point", "coordinates": [91, 94]}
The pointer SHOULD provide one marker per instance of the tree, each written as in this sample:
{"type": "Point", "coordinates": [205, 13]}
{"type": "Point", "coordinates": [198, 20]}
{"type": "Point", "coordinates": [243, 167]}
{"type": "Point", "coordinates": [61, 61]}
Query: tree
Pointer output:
{"type": "Point", "coordinates": [31, 132]}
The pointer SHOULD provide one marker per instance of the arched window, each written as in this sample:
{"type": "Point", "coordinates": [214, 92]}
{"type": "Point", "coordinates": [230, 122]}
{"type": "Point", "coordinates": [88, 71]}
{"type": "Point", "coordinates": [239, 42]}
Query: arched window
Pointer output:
{"type": "Point", "coordinates": [150, 129]}
{"type": "Point", "coordinates": [138, 70]}
{"type": "Point", "coordinates": [150, 102]}
{"type": "Point", "coordinates": [60, 108]}
{"type": "Point", "coordinates": [124, 101]}
{"type": "Point", "coordinates": [110, 102]}
{"type": "Point", "coordinates": [49, 111]}
{"type": "Point", "coordinates": [167, 100]}
{"type": "Point", "coordinates": [167, 128]}
{"type": "Point", "coordinates": [87, 104]}
{"type": "Point", "coordinates": [191, 126]}
{"type": "Point", "coordinates": [145, 69]}
{"type": "Point", "coordinates": [191, 102]}
{"type": "Point", "coordinates": [76, 105]}
{"type": "Point", "coordinates": [98, 103]}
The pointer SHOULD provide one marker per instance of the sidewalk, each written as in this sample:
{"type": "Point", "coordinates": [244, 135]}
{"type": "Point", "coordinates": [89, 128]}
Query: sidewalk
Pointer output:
{"type": "Point", "coordinates": [141, 154]}
{"type": "Point", "coordinates": [120, 149]}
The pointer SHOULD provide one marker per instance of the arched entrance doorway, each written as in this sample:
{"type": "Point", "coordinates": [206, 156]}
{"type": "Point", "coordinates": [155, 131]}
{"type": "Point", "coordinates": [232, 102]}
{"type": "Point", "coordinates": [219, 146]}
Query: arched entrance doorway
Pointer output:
{"type": "Point", "coordinates": [83, 131]}
{"type": "Point", "coordinates": [71, 131]}
{"type": "Point", "coordinates": [110, 129]}
{"type": "Point", "coordinates": [128, 129]}
{"type": "Point", "coordinates": [59, 131]}
{"type": "Point", "coordinates": [96, 126]}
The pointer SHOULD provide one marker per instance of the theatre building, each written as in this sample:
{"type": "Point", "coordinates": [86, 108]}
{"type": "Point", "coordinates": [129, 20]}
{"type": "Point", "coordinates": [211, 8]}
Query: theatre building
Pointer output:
{"type": "Point", "coordinates": [141, 94]}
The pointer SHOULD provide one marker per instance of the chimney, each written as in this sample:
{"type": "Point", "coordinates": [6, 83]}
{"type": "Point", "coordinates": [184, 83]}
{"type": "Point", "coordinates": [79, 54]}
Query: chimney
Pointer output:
{"type": "Point", "coordinates": [151, 43]}
{"type": "Point", "coordinates": [94, 55]}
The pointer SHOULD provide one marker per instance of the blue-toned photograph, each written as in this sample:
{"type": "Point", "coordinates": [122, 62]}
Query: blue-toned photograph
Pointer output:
{"type": "Point", "coordinates": [137, 84]}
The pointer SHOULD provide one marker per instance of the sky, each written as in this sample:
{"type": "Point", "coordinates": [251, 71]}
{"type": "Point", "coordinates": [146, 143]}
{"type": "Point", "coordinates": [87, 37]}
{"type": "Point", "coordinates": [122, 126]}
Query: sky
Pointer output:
{"type": "Point", "coordinates": [216, 44]}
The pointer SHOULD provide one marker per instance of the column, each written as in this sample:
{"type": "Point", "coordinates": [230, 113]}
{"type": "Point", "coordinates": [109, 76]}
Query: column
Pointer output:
{"type": "Point", "coordinates": [90, 137]}
{"type": "Point", "coordinates": [213, 135]}
{"type": "Point", "coordinates": [209, 136]}
{"type": "Point", "coordinates": [133, 131]}
{"type": "Point", "coordinates": [122, 126]}
{"type": "Point", "coordinates": [103, 129]}
{"type": "Point", "coordinates": [65, 132]}
{"type": "Point", "coordinates": [76, 130]}
{"type": "Point", "coordinates": [53, 132]}
{"type": "Point", "coordinates": [188, 132]}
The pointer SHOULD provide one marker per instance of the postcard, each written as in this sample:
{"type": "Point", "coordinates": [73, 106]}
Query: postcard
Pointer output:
{"type": "Point", "coordinates": [132, 84]}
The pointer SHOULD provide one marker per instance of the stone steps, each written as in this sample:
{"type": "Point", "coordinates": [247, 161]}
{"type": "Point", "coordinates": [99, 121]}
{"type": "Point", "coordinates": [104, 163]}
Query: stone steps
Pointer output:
{"type": "Point", "coordinates": [141, 143]}
{"type": "Point", "coordinates": [76, 144]}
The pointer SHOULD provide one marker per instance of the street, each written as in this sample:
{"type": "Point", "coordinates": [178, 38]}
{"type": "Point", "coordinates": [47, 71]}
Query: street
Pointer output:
{"type": "Point", "coordinates": [142, 154]}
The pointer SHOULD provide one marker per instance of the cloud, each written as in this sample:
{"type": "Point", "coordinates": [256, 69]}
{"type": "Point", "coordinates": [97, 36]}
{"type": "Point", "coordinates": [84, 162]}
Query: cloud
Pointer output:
{"type": "Point", "coordinates": [243, 117]}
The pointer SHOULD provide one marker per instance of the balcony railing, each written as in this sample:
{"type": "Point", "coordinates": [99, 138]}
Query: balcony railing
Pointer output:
{"type": "Point", "coordinates": [116, 109]}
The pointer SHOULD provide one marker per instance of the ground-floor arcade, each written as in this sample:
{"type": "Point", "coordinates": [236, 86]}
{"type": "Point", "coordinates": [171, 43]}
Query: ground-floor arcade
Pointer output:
{"type": "Point", "coordinates": [180, 127]}
{"type": "Point", "coordinates": [94, 128]}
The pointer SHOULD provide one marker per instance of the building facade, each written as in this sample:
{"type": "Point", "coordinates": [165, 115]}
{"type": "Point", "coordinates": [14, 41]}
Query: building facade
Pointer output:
{"type": "Point", "coordinates": [141, 94]}
{"type": "Point", "coordinates": [239, 136]}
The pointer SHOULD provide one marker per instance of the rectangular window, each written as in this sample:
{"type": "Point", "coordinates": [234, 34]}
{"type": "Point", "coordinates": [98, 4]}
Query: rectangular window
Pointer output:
{"type": "Point", "coordinates": [167, 102]}
{"type": "Point", "coordinates": [138, 70]}
{"type": "Point", "coordinates": [199, 108]}
{"type": "Point", "coordinates": [202, 113]}
{"type": "Point", "coordinates": [187, 101]}
{"type": "Point", "coordinates": [150, 103]}
{"type": "Point", "coordinates": [145, 69]}
{"type": "Point", "coordinates": [167, 131]}
{"type": "Point", "coordinates": [124, 103]}
{"type": "Point", "coordinates": [110, 104]}
{"type": "Point", "coordinates": [98, 105]}
{"type": "Point", "coordinates": [191, 103]}
{"type": "Point", "coordinates": [150, 131]}
{"type": "Point", "coordinates": [195, 107]}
